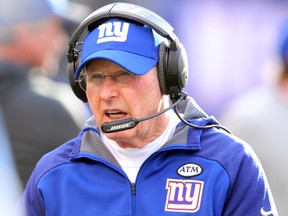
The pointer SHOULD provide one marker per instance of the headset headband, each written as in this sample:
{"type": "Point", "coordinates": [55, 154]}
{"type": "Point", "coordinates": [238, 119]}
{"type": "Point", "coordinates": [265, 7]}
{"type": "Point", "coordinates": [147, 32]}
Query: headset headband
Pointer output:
{"type": "Point", "coordinates": [127, 11]}
{"type": "Point", "coordinates": [172, 66]}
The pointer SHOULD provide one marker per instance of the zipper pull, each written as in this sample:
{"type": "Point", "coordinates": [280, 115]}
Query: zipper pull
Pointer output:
{"type": "Point", "coordinates": [133, 188]}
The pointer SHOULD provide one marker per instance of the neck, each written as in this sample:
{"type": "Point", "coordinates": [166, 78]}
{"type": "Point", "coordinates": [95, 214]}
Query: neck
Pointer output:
{"type": "Point", "coordinates": [146, 131]}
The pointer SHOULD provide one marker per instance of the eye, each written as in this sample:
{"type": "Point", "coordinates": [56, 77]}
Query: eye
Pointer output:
{"type": "Point", "coordinates": [95, 75]}
{"type": "Point", "coordinates": [124, 77]}
{"type": "Point", "coordinates": [123, 73]}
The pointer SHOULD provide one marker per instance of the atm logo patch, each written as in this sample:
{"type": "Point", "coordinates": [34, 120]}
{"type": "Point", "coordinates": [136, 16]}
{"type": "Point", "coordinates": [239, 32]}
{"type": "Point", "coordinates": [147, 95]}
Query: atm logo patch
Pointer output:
{"type": "Point", "coordinates": [183, 195]}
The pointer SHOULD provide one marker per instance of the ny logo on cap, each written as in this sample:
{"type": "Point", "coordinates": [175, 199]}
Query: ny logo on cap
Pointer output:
{"type": "Point", "coordinates": [107, 33]}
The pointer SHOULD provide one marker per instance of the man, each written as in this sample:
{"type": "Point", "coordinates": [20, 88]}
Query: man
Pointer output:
{"type": "Point", "coordinates": [260, 117]}
{"type": "Point", "coordinates": [36, 108]}
{"type": "Point", "coordinates": [135, 156]}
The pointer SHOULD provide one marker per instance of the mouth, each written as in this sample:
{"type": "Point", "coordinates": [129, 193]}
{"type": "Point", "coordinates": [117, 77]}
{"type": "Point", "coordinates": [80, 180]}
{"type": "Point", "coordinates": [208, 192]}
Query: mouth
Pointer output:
{"type": "Point", "coordinates": [115, 115]}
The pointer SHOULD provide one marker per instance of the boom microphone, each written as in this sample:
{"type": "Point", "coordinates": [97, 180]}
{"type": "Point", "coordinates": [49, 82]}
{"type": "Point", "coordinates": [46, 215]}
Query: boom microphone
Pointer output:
{"type": "Point", "coordinates": [129, 123]}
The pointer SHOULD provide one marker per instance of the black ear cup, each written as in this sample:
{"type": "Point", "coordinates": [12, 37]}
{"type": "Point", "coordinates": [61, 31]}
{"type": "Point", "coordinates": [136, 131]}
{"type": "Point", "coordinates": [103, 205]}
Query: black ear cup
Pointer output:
{"type": "Point", "coordinates": [176, 73]}
{"type": "Point", "coordinates": [172, 70]}
{"type": "Point", "coordinates": [172, 64]}
{"type": "Point", "coordinates": [75, 85]}
{"type": "Point", "coordinates": [161, 67]}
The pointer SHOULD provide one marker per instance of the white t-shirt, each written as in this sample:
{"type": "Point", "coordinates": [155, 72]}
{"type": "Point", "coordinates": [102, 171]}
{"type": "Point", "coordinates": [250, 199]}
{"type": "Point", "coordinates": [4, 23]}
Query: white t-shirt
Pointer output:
{"type": "Point", "coordinates": [131, 159]}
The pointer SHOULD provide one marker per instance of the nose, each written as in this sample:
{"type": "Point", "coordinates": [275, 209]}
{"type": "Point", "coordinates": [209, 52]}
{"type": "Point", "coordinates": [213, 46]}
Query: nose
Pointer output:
{"type": "Point", "coordinates": [109, 88]}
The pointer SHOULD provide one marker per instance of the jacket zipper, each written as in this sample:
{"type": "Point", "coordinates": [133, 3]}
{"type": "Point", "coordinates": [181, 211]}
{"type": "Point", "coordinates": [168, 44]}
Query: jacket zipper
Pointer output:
{"type": "Point", "coordinates": [133, 188]}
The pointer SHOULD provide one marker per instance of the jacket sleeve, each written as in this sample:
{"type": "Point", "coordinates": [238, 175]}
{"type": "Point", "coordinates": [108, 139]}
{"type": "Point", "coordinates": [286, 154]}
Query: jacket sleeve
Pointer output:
{"type": "Point", "coordinates": [30, 202]}
{"type": "Point", "coordinates": [249, 192]}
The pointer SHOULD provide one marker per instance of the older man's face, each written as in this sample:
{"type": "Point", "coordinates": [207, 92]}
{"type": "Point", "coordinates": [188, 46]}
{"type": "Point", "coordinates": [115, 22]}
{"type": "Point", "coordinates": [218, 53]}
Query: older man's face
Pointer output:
{"type": "Point", "coordinates": [125, 96]}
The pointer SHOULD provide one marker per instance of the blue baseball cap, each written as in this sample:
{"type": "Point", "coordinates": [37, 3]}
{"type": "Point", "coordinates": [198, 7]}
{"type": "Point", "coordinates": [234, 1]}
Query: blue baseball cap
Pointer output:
{"type": "Point", "coordinates": [133, 47]}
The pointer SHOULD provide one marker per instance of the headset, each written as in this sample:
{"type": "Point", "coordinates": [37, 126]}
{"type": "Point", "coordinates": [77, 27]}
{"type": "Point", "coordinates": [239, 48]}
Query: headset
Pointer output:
{"type": "Point", "coordinates": [172, 66]}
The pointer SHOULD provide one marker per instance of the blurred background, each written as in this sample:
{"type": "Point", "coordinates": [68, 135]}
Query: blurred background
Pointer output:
{"type": "Point", "coordinates": [230, 44]}
{"type": "Point", "coordinates": [233, 47]}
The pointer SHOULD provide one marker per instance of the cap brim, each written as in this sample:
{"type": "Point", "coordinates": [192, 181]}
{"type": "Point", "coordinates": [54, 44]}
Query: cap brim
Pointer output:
{"type": "Point", "coordinates": [136, 64]}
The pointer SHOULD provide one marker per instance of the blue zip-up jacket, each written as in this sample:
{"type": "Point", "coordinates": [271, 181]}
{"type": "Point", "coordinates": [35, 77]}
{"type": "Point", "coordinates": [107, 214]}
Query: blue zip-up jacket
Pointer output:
{"type": "Point", "coordinates": [205, 172]}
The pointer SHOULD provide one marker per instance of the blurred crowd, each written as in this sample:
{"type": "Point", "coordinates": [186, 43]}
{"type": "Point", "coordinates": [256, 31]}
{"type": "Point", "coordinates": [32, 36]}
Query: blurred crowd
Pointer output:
{"type": "Point", "coordinates": [259, 117]}
{"type": "Point", "coordinates": [238, 72]}
{"type": "Point", "coordinates": [39, 113]}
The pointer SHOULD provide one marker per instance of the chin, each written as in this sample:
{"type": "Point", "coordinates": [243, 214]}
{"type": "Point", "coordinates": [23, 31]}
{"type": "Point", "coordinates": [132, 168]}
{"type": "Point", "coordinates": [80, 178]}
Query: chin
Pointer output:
{"type": "Point", "coordinates": [125, 134]}
{"type": "Point", "coordinates": [122, 136]}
